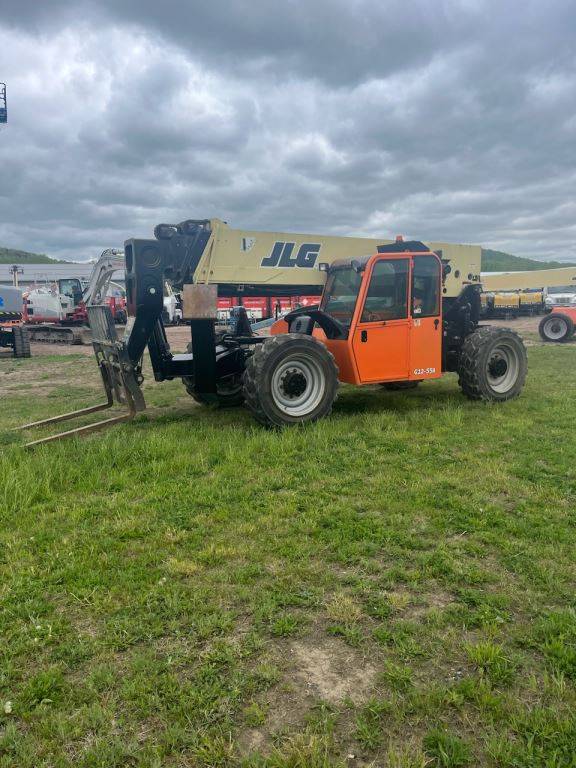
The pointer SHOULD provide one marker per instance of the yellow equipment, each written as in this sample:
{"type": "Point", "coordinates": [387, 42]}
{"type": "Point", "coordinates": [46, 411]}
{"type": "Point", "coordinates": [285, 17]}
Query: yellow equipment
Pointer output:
{"type": "Point", "coordinates": [273, 263]}
{"type": "Point", "coordinates": [538, 278]}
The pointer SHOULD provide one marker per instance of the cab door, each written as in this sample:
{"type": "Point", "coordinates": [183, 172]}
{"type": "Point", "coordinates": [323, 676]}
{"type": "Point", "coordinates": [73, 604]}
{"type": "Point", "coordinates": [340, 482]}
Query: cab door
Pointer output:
{"type": "Point", "coordinates": [426, 322]}
{"type": "Point", "coordinates": [381, 341]}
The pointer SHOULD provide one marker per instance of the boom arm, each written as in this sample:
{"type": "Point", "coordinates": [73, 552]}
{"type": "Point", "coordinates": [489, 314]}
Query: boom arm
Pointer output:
{"type": "Point", "coordinates": [538, 278]}
{"type": "Point", "coordinates": [270, 263]}
{"type": "Point", "coordinates": [111, 260]}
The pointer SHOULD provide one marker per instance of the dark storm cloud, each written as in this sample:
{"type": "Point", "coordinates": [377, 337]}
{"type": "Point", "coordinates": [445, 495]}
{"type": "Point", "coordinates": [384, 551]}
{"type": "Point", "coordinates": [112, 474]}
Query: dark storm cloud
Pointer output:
{"type": "Point", "coordinates": [447, 120]}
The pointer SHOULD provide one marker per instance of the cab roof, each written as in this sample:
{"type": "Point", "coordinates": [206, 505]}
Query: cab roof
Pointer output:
{"type": "Point", "coordinates": [400, 246]}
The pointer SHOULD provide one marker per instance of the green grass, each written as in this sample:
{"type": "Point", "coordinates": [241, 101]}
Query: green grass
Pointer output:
{"type": "Point", "coordinates": [396, 583]}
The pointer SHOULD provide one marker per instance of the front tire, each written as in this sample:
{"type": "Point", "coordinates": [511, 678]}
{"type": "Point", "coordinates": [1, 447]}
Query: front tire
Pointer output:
{"type": "Point", "coordinates": [290, 379]}
{"type": "Point", "coordinates": [556, 327]}
{"type": "Point", "coordinates": [493, 364]}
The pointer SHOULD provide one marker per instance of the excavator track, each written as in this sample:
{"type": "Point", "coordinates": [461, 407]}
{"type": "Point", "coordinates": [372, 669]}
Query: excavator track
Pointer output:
{"type": "Point", "coordinates": [60, 334]}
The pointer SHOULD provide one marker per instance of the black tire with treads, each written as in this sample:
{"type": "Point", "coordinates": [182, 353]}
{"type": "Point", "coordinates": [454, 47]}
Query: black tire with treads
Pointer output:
{"type": "Point", "coordinates": [556, 327]}
{"type": "Point", "coordinates": [21, 341]}
{"type": "Point", "coordinates": [493, 364]}
{"type": "Point", "coordinates": [263, 386]}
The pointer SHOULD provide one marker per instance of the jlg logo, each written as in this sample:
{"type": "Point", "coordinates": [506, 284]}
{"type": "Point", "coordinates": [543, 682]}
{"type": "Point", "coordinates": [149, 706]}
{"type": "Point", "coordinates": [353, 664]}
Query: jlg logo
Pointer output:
{"type": "Point", "coordinates": [281, 255]}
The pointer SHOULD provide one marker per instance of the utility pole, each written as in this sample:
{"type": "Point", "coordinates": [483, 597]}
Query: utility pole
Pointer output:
{"type": "Point", "coordinates": [3, 105]}
{"type": "Point", "coordinates": [15, 270]}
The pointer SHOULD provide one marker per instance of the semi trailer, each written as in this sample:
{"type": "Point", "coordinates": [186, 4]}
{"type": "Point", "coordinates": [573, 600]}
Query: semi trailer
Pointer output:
{"type": "Point", "coordinates": [394, 313]}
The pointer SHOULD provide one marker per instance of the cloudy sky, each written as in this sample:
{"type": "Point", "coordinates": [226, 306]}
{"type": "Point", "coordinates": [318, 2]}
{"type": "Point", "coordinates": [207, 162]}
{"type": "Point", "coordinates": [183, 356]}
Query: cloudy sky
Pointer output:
{"type": "Point", "coordinates": [439, 119]}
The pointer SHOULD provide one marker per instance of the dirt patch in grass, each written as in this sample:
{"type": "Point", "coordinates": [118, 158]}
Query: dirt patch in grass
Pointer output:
{"type": "Point", "coordinates": [426, 603]}
{"type": "Point", "coordinates": [331, 671]}
{"type": "Point", "coordinates": [317, 670]}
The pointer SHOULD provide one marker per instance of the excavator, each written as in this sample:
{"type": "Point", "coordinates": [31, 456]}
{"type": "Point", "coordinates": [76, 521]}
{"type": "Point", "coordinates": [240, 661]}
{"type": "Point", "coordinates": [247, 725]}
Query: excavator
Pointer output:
{"type": "Point", "coordinates": [58, 314]}
{"type": "Point", "coordinates": [392, 313]}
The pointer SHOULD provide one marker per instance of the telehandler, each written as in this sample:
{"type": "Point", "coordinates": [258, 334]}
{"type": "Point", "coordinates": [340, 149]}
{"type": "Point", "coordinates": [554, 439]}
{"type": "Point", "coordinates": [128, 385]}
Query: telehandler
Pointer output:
{"type": "Point", "coordinates": [396, 317]}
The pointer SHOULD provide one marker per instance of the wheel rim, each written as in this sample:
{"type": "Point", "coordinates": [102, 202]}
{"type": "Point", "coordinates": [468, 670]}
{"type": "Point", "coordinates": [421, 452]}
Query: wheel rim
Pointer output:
{"type": "Point", "coordinates": [555, 328]}
{"type": "Point", "coordinates": [503, 367]}
{"type": "Point", "coordinates": [298, 385]}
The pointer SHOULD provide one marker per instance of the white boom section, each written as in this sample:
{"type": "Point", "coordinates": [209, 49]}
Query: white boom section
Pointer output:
{"type": "Point", "coordinates": [111, 260]}
{"type": "Point", "coordinates": [538, 278]}
{"type": "Point", "coordinates": [253, 258]}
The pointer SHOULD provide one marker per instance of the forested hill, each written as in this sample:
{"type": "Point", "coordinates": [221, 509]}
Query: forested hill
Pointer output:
{"type": "Point", "coordinates": [498, 261]}
{"type": "Point", "coordinates": [14, 256]}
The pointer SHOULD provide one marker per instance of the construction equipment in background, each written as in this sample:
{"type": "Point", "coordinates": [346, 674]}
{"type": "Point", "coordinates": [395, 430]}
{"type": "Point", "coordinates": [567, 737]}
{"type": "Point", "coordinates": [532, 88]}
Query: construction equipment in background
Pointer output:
{"type": "Point", "coordinates": [397, 317]}
{"type": "Point", "coordinates": [12, 333]}
{"type": "Point", "coordinates": [558, 288]}
{"type": "Point", "coordinates": [528, 279]}
{"type": "Point", "coordinates": [259, 308]}
{"type": "Point", "coordinates": [172, 310]}
{"type": "Point", "coordinates": [58, 313]}
{"type": "Point", "coordinates": [508, 305]}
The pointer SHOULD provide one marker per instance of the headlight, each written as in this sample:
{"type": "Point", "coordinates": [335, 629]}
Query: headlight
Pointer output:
{"type": "Point", "coordinates": [548, 300]}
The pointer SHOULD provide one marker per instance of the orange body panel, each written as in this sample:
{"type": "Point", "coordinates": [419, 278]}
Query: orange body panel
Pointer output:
{"type": "Point", "coordinates": [425, 348]}
{"type": "Point", "coordinates": [279, 327]}
{"type": "Point", "coordinates": [406, 349]}
{"type": "Point", "coordinates": [381, 351]}
{"type": "Point", "coordinates": [568, 311]}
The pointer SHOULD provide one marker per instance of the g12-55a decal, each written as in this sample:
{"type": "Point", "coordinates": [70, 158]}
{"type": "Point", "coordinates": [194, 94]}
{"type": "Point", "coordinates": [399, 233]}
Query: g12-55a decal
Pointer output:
{"type": "Point", "coordinates": [281, 255]}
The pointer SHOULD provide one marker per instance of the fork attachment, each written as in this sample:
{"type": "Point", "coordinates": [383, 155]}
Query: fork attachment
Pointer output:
{"type": "Point", "coordinates": [120, 378]}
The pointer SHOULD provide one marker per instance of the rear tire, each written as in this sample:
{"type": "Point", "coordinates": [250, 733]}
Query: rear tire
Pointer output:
{"type": "Point", "coordinates": [493, 364]}
{"type": "Point", "coordinates": [290, 379]}
{"type": "Point", "coordinates": [556, 327]}
{"type": "Point", "coordinates": [21, 341]}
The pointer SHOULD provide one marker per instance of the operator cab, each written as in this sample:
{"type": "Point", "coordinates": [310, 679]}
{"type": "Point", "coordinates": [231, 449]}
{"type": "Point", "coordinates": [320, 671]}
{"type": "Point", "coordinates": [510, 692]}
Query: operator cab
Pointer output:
{"type": "Point", "coordinates": [388, 310]}
{"type": "Point", "coordinates": [71, 287]}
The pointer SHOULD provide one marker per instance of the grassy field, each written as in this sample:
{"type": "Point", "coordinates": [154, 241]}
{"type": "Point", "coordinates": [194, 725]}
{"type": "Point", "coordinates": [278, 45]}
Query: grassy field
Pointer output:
{"type": "Point", "coordinates": [392, 587]}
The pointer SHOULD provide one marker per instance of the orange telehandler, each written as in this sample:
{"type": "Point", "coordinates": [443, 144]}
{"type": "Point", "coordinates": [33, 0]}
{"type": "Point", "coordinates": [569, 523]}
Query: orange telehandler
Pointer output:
{"type": "Point", "coordinates": [397, 317]}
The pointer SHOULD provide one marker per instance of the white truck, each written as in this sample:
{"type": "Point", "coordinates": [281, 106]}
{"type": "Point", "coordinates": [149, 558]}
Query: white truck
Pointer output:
{"type": "Point", "coordinates": [172, 314]}
{"type": "Point", "coordinates": [560, 296]}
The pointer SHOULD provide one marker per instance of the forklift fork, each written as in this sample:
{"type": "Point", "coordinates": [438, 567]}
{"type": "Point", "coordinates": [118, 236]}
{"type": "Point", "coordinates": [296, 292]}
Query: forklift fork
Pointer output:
{"type": "Point", "coordinates": [120, 378]}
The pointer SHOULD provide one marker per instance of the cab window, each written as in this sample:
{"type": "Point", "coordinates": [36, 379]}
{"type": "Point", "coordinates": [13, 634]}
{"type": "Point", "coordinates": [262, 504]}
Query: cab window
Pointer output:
{"type": "Point", "coordinates": [425, 300]}
{"type": "Point", "coordinates": [341, 293]}
{"type": "Point", "coordinates": [387, 297]}
{"type": "Point", "coordinates": [71, 288]}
